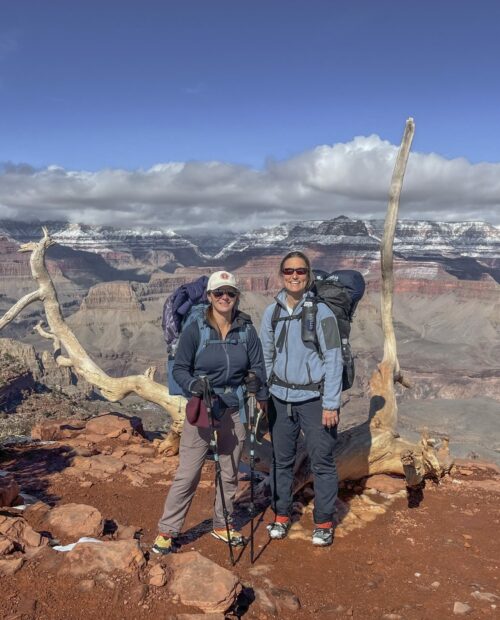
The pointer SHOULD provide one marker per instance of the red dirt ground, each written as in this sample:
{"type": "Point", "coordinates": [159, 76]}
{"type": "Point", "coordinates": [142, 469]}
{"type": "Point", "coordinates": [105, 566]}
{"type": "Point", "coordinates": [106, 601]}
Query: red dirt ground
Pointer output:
{"type": "Point", "coordinates": [409, 563]}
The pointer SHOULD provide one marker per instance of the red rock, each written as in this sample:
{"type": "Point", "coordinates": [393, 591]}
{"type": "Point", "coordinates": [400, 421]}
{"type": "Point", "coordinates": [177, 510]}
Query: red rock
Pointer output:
{"type": "Point", "coordinates": [22, 534]}
{"type": "Point", "coordinates": [9, 489]}
{"type": "Point", "coordinates": [105, 557]}
{"type": "Point", "coordinates": [141, 450]}
{"type": "Point", "coordinates": [71, 521]}
{"type": "Point", "coordinates": [199, 582]}
{"type": "Point", "coordinates": [99, 463]}
{"type": "Point", "coordinates": [131, 459]}
{"type": "Point", "coordinates": [11, 566]}
{"type": "Point", "coordinates": [136, 478]}
{"type": "Point", "coordinates": [114, 423]}
{"type": "Point", "coordinates": [6, 546]}
{"type": "Point", "coordinates": [385, 484]}
{"type": "Point", "coordinates": [492, 486]}
{"type": "Point", "coordinates": [157, 576]}
{"type": "Point", "coordinates": [126, 532]}
{"type": "Point", "coordinates": [54, 430]}
{"type": "Point", "coordinates": [152, 468]}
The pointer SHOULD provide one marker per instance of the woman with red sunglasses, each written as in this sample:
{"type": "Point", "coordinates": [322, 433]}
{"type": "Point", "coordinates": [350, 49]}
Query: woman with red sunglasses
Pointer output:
{"type": "Point", "coordinates": [301, 344]}
{"type": "Point", "coordinates": [230, 351]}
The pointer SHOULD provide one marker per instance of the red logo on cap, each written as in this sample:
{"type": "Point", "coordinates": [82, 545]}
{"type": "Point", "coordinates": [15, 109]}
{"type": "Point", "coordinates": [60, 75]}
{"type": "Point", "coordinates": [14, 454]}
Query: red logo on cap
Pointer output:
{"type": "Point", "coordinates": [224, 275]}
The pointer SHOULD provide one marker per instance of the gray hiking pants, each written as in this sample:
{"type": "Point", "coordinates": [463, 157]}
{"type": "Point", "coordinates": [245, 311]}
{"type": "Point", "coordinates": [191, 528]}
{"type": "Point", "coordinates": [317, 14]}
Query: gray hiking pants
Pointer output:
{"type": "Point", "coordinates": [192, 452]}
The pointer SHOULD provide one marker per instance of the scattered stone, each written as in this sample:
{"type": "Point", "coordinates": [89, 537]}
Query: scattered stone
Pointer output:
{"type": "Point", "coordinates": [385, 484]}
{"type": "Point", "coordinates": [104, 557]}
{"type": "Point", "coordinates": [461, 609]}
{"type": "Point", "coordinates": [157, 576]}
{"type": "Point", "coordinates": [487, 597]}
{"type": "Point", "coordinates": [201, 583]}
{"type": "Point", "coordinates": [285, 599]}
{"type": "Point", "coordinates": [9, 489]}
{"type": "Point", "coordinates": [101, 463]}
{"type": "Point", "coordinates": [263, 601]}
{"type": "Point", "coordinates": [435, 585]}
{"type": "Point", "coordinates": [86, 585]}
{"type": "Point", "coordinates": [391, 617]}
{"type": "Point", "coordinates": [72, 521]}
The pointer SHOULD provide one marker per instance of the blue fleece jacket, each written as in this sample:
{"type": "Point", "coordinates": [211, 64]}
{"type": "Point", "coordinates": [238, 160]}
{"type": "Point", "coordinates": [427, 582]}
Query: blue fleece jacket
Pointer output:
{"type": "Point", "coordinates": [300, 363]}
{"type": "Point", "coordinates": [225, 364]}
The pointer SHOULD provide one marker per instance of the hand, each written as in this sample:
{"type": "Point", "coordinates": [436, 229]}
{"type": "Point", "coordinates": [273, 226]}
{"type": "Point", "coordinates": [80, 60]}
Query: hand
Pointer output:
{"type": "Point", "coordinates": [330, 418]}
{"type": "Point", "coordinates": [262, 404]}
{"type": "Point", "coordinates": [197, 387]}
{"type": "Point", "coordinates": [253, 383]}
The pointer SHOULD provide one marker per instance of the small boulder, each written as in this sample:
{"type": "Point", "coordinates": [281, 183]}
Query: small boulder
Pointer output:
{"type": "Point", "coordinates": [10, 566]}
{"type": "Point", "coordinates": [9, 489]}
{"type": "Point", "coordinates": [104, 557]}
{"type": "Point", "coordinates": [157, 576]}
{"type": "Point", "coordinates": [461, 609]}
{"type": "Point", "coordinates": [72, 521]}
{"type": "Point", "coordinates": [114, 424]}
{"type": "Point", "coordinates": [199, 582]}
{"type": "Point", "coordinates": [20, 533]}
{"type": "Point", "coordinates": [6, 545]}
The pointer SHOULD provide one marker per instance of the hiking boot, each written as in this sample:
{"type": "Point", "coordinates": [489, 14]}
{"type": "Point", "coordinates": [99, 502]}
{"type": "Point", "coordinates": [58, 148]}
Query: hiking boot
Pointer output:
{"type": "Point", "coordinates": [322, 536]}
{"type": "Point", "coordinates": [163, 544]}
{"type": "Point", "coordinates": [278, 530]}
{"type": "Point", "coordinates": [237, 538]}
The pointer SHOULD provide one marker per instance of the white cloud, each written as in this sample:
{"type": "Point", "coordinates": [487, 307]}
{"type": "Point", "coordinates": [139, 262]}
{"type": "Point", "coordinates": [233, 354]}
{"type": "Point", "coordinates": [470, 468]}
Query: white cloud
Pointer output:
{"type": "Point", "coordinates": [344, 179]}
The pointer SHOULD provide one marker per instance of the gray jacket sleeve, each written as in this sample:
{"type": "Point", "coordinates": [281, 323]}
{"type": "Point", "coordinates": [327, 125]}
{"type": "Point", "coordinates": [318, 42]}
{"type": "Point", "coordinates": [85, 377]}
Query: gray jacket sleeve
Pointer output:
{"type": "Point", "coordinates": [329, 342]}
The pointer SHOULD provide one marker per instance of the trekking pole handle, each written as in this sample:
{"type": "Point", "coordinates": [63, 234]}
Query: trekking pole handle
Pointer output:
{"type": "Point", "coordinates": [251, 377]}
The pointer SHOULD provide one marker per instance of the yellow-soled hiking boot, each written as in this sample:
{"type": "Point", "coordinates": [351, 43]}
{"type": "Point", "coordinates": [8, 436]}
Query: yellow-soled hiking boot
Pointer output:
{"type": "Point", "coordinates": [163, 544]}
{"type": "Point", "coordinates": [237, 538]}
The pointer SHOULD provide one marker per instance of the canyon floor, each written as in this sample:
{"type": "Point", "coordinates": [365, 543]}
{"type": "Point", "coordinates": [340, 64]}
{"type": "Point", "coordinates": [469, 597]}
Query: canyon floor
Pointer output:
{"type": "Point", "coordinates": [428, 556]}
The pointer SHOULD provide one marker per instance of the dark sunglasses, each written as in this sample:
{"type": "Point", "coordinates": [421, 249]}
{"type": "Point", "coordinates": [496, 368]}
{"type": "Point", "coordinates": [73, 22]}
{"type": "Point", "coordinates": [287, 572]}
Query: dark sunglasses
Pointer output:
{"type": "Point", "coordinates": [300, 271]}
{"type": "Point", "coordinates": [218, 294]}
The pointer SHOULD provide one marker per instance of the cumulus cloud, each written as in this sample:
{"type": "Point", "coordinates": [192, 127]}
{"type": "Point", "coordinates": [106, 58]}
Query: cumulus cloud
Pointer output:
{"type": "Point", "coordinates": [343, 179]}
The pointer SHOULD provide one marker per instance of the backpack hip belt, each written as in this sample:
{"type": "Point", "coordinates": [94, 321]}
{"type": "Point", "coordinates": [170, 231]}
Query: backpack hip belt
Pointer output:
{"type": "Point", "coordinates": [308, 387]}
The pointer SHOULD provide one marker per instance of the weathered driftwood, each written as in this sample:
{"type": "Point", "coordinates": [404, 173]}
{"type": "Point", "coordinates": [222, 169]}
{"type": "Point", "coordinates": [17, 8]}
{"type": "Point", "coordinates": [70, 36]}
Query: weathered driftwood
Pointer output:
{"type": "Point", "coordinates": [371, 448]}
{"type": "Point", "coordinates": [113, 389]}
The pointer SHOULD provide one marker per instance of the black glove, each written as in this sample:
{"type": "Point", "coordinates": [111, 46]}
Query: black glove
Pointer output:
{"type": "Point", "coordinates": [253, 383]}
{"type": "Point", "coordinates": [197, 387]}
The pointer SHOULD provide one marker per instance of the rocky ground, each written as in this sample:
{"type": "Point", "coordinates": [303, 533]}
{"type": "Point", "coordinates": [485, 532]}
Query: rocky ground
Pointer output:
{"type": "Point", "coordinates": [434, 555]}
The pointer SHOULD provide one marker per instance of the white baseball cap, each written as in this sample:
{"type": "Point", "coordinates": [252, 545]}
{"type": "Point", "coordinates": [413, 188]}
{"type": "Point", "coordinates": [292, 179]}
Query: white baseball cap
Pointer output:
{"type": "Point", "coordinates": [221, 278]}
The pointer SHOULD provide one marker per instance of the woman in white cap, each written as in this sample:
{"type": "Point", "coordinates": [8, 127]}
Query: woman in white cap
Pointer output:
{"type": "Point", "coordinates": [222, 346]}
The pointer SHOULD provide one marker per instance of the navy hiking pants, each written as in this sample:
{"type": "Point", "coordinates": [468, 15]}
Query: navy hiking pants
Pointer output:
{"type": "Point", "coordinates": [285, 424]}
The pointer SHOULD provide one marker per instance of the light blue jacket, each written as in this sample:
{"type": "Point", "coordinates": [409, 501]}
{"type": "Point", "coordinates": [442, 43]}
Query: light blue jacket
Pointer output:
{"type": "Point", "coordinates": [298, 362]}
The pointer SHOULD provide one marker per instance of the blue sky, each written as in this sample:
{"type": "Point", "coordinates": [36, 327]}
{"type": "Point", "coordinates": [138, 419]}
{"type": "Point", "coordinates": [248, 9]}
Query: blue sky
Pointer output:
{"type": "Point", "coordinates": [128, 86]}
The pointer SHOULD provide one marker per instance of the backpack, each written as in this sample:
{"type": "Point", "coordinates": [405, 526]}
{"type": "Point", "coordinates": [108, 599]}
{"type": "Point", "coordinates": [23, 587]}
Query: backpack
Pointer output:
{"type": "Point", "coordinates": [189, 303]}
{"type": "Point", "coordinates": [341, 291]}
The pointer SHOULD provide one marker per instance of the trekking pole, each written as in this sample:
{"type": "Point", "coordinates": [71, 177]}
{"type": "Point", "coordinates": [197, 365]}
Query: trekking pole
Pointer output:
{"type": "Point", "coordinates": [207, 398]}
{"type": "Point", "coordinates": [251, 422]}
